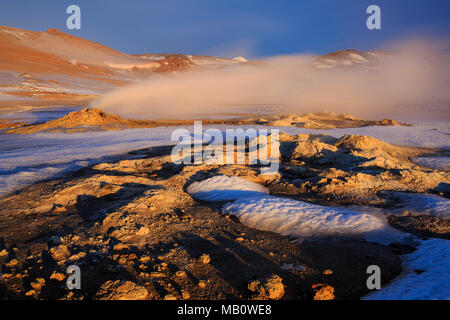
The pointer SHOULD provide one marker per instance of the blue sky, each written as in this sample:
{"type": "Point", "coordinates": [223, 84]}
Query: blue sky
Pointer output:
{"type": "Point", "coordinates": [252, 28]}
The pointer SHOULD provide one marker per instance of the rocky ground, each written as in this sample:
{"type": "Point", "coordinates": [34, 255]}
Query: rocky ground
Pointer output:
{"type": "Point", "coordinates": [137, 234]}
{"type": "Point", "coordinates": [96, 119]}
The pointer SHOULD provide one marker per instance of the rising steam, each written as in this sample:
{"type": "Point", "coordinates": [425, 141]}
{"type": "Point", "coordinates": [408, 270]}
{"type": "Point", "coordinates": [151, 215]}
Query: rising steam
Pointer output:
{"type": "Point", "coordinates": [413, 74]}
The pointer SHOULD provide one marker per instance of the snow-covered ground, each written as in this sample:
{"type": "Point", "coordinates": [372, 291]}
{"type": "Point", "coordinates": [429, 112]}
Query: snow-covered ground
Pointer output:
{"type": "Point", "coordinates": [224, 188]}
{"type": "Point", "coordinates": [425, 275]}
{"type": "Point", "coordinates": [299, 219]}
{"type": "Point", "coordinates": [417, 203]}
{"type": "Point", "coordinates": [305, 220]}
{"type": "Point", "coordinates": [439, 163]}
{"type": "Point", "coordinates": [25, 159]}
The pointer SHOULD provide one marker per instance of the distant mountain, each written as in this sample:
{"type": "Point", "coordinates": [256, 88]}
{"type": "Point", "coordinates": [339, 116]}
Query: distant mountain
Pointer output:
{"type": "Point", "coordinates": [348, 58]}
{"type": "Point", "coordinates": [51, 65]}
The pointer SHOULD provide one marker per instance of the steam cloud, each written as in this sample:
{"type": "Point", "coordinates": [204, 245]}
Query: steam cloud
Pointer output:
{"type": "Point", "coordinates": [416, 73]}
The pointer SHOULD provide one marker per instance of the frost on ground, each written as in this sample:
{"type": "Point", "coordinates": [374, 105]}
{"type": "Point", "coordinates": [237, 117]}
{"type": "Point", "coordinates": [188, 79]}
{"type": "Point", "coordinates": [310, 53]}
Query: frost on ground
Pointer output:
{"type": "Point", "coordinates": [27, 159]}
{"type": "Point", "coordinates": [302, 219]}
{"type": "Point", "coordinates": [421, 204]}
{"type": "Point", "coordinates": [425, 276]}
{"type": "Point", "coordinates": [224, 188]}
{"type": "Point", "coordinates": [439, 163]}
{"type": "Point", "coordinates": [430, 135]}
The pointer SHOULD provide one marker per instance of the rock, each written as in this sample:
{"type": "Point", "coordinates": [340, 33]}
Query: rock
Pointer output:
{"type": "Point", "coordinates": [30, 293]}
{"type": "Point", "coordinates": [3, 253]}
{"type": "Point", "coordinates": [328, 272]}
{"type": "Point", "coordinates": [205, 259]}
{"type": "Point", "coordinates": [38, 284]}
{"type": "Point", "coordinates": [323, 291]}
{"type": "Point", "coordinates": [170, 297]}
{"type": "Point", "coordinates": [290, 266]}
{"type": "Point", "coordinates": [77, 256]}
{"type": "Point", "coordinates": [57, 276]}
{"type": "Point", "coordinates": [120, 246]}
{"type": "Point", "coordinates": [60, 252]}
{"type": "Point", "coordinates": [121, 290]}
{"type": "Point", "coordinates": [162, 266]}
{"type": "Point", "coordinates": [269, 288]}
{"type": "Point", "coordinates": [109, 268]}
{"type": "Point", "coordinates": [143, 231]}
{"type": "Point", "coordinates": [186, 295]}
{"type": "Point", "coordinates": [157, 275]}
{"type": "Point", "coordinates": [181, 274]}
{"type": "Point", "coordinates": [145, 259]}
{"type": "Point", "coordinates": [12, 263]}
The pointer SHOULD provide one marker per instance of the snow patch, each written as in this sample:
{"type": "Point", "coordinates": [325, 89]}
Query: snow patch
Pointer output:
{"type": "Point", "coordinates": [240, 59]}
{"type": "Point", "coordinates": [225, 188]}
{"type": "Point", "coordinates": [425, 275]}
{"type": "Point", "coordinates": [422, 204]}
{"type": "Point", "coordinates": [357, 58]}
{"type": "Point", "coordinates": [426, 136]}
{"type": "Point", "coordinates": [130, 66]}
{"type": "Point", "coordinates": [26, 159]}
{"type": "Point", "coordinates": [305, 220]}
{"type": "Point", "coordinates": [438, 163]}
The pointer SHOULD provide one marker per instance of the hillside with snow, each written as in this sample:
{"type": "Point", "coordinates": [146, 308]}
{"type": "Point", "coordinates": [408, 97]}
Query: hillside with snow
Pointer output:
{"type": "Point", "coordinates": [59, 68]}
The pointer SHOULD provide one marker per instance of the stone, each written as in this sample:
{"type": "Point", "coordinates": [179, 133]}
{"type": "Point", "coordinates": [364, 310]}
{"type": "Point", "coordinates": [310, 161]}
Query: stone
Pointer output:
{"type": "Point", "coordinates": [323, 291]}
{"type": "Point", "coordinates": [57, 276]}
{"type": "Point", "coordinates": [38, 284]}
{"type": "Point", "coordinates": [186, 295]}
{"type": "Point", "coordinates": [145, 259]}
{"type": "Point", "coordinates": [30, 293]}
{"type": "Point", "coordinates": [60, 252]}
{"type": "Point", "coordinates": [270, 288]}
{"type": "Point", "coordinates": [12, 263]}
{"type": "Point", "coordinates": [181, 274]}
{"type": "Point", "coordinates": [55, 240]}
{"type": "Point", "coordinates": [77, 256]}
{"type": "Point", "coordinates": [120, 246]}
{"type": "Point", "coordinates": [121, 290]}
{"type": "Point", "coordinates": [205, 258]}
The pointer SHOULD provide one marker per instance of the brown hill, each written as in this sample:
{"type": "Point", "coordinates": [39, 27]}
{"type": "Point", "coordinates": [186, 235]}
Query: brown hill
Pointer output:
{"type": "Point", "coordinates": [93, 118]}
